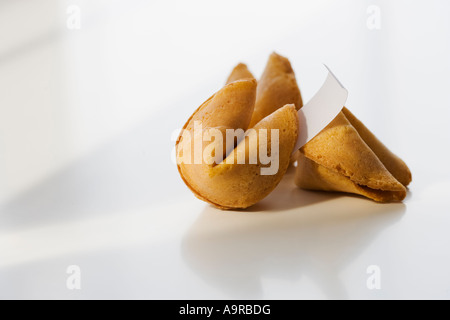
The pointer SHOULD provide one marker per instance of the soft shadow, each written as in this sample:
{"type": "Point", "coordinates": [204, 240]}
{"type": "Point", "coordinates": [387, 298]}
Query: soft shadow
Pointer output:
{"type": "Point", "coordinates": [234, 251]}
{"type": "Point", "coordinates": [287, 196]}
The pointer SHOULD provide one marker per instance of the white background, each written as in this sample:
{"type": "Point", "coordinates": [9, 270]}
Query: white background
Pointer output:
{"type": "Point", "coordinates": [86, 178]}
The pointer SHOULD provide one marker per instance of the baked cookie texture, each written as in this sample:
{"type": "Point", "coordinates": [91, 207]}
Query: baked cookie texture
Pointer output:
{"type": "Point", "coordinates": [240, 72]}
{"type": "Point", "coordinates": [229, 185]}
{"type": "Point", "coordinates": [344, 157]}
{"type": "Point", "coordinates": [347, 157]}
{"type": "Point", "coordinates": [276, 88]}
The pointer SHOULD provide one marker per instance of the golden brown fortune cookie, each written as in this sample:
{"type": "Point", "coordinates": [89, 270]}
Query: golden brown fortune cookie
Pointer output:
{"type": "Point", "coordinates": [347, 157]}
{"type": "Point", "coordinates": [240, 72]}
{"type": "Point", "coordinates": [228, 184]}
{"type": "Point", "coordinates": [276, 88]}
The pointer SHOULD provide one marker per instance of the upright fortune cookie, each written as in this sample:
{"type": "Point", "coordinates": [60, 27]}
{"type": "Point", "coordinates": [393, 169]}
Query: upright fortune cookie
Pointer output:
{"type": "Point", "coordinates": [228, 184]}
{"type": "Point", "coordinates": [276, 88]}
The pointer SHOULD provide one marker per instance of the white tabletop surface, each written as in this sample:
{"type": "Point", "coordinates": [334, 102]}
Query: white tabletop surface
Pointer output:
{"type": "Point", "coordinates": [86, 123]}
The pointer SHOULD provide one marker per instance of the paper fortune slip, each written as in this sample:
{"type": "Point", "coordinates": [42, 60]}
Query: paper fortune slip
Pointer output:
{"type": "Point", "coordinates": [321, 109]}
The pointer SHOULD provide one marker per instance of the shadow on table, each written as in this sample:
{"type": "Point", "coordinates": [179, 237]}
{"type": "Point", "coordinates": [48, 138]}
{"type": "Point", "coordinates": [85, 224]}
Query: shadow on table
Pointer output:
{"type": "Point", "coordinates": [234, 250]}
{"type": "Point", "coordinates": [286, 196]}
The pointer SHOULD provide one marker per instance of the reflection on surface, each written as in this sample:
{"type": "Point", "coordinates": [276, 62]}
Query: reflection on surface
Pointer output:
{"type": "Point", "coordinates": [236, 250]}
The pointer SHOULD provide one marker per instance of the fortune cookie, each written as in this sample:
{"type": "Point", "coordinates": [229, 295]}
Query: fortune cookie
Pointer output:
{"type": "Point", "coordinates": [276, 88]}
{"type": "Point", "coordinates": [224, 182]}
{"type": "Point", "coordinates": [347, 157]}
{"type": "Point", "coordinates": [240, 72]}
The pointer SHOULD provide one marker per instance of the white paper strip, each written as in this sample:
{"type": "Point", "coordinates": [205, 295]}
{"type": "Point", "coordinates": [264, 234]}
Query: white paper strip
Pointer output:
{"type": "Point", "coordinates": [321, 109]}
